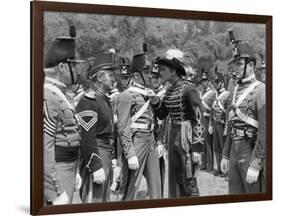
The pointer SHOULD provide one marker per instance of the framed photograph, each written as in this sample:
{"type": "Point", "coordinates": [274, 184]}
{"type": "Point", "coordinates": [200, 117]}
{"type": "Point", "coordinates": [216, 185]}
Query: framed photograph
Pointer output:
{"type": "Point", "coordinates": [142, 107]}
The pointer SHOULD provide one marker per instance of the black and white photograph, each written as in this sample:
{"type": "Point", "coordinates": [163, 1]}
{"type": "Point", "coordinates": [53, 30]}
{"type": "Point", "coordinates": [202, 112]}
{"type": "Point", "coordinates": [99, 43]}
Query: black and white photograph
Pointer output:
{"type": "Point", "coordinates": [144, 108]}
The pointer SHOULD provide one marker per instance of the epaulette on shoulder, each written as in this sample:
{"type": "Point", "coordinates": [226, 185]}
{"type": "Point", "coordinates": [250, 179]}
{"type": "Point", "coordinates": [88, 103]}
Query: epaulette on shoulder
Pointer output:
{"type": "Point", "coordinates": [90, 94]}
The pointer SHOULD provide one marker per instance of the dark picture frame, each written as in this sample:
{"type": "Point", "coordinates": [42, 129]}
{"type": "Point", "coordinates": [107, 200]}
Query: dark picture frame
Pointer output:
{"type": "Point", "coordinates": [36, 132]}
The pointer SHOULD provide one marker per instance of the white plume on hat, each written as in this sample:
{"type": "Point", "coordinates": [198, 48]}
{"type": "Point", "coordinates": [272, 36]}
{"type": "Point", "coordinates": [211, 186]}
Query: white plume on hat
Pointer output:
{"type": "Point", "coordinates": [112, 50]}
{"type": "Point", "coordinates": [174, 53]}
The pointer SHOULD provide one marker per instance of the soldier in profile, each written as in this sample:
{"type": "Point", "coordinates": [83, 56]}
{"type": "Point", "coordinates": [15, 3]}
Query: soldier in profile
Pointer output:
{"type": "Point", "coordinates": [244, 154]}
{"type": "Point", "coordinates": [61, 132]}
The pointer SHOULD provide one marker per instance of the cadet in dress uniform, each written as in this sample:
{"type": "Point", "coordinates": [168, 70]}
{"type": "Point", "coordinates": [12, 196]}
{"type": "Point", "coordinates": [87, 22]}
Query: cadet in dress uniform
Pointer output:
{"type": "Point", "coordinates": [94, 114]}
{"type": "Point", "coordinates": [219, 119]}
{"type": "Point", "coordinates": [136, 127]}
{"type": "Point", "coordinates": [244, 154]}
{"type": "Point", "coordinates": [208, 98]}
{"type": "Point", "coordinates": [182, 102]}
{"type": "Point", "coordinates": [160, 125]}
{"type": "Point", "coordinates": [120, 175]}
{"type": "Point", "coordinates": [61, 133]}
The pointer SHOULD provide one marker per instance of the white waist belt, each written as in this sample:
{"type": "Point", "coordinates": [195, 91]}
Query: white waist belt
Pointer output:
{"type": "Point", "coordinates": [142, 126]}
{"type": "Point", "coordinates": [206, 114]}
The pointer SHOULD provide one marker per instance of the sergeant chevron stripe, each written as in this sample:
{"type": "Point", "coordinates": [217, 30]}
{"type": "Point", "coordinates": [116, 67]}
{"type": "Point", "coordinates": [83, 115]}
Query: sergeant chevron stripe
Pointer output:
{"type": "Point", "coordinates": [49, 126]}
{"type": "Point", "coordinates": [88, 114]}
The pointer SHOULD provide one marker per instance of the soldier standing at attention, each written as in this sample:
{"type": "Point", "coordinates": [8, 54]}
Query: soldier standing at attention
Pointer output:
{"type": "Point", "coordinates": [94, 114]}
{"type": "Point", "coordinates": [61, 132]}
{"type": "Point", "coordinates": [183, 104]}
{"type": "Point", "coordinates": [120, 171]}
{"type": "Point", "coordinates": [219, 119]}
{"type": "Point", "coordinates": [244, 154]}
{"type": "Point", "coordinates": [136, 131]}
{"type": "Point", "coordinates": [208, 98]}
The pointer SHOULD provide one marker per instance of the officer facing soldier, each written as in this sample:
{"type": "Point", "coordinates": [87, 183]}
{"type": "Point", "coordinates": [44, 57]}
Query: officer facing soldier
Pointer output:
{"type": "Point", "coordinates": [136, 127]}
{"type": "Point", "coordinates": [182, 102]}
{"type": "Point", "coordinates": [95, 116]}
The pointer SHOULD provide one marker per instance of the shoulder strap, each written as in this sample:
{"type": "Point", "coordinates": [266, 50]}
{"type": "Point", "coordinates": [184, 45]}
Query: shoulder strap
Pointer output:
{"type": "Point", "coordinates": [141, 111]}
{"type": "Point", "coordinates": [59, 93]}
{"type": "Point", "coordinates": [245, 93]}
{"type": "Point", "coordinates": [219, 101]}
{"type": "Point", "coordinates": [207, 94]}
{"type": "Point", "coordinates": [236, 104]}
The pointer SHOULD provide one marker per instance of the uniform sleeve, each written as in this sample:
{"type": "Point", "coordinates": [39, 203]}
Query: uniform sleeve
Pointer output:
{"type": "Point", "coordinates": [194, 112]}
{"type": "Point", "coordinates": [115, 120]}
{"type": "Point", "coordinates": [52, 184]}
{"type": "Point", "coordinates": [259, 151]}
{"type": "Point", "coordinates": [87, 116]}
{"type": "Point", "coordinates": [228, 143]}
{"type": "Point", "coordinates": [124, 105]}
{"type": "Point", "coordinates": [160, 109]}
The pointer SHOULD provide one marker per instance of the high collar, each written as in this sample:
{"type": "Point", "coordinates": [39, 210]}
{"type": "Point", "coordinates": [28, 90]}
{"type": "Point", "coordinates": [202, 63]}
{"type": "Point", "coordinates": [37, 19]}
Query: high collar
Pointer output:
{"type": "Point", "coordinates": [247, 80]}
{"type": "Point", "coordinates": [55, 82]}
{"type": "Point", "coordinates": [179, 83]}
{"type": "Point", "coordinates": [100, 91]}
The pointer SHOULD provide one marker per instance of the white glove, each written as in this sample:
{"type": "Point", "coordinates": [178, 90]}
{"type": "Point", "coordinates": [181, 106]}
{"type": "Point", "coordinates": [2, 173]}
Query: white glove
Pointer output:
{"type": "Point", "coordinates": [99, 176]}
{"type": "Point", "coordinates": [161, 150]}
{"type": "Point", "coordinates": [62, 199]}
{"type": "Point", "coordinates": [114, 163]}
{"type": "Point", "coordinates": [196, 157]}
{"type": "Point", "coordinates": [224, 165]}
{"type": "Point", "coordinates": [78, 182]}
{"type": "Point", "coordinates": [211, 130]}
{"type": "Point", "coordinates": [252, 175]}
{"type": "Point", "coordinates": [133, 163]}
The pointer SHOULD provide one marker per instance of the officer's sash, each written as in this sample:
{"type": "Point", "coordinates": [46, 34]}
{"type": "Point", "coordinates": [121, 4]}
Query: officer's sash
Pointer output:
{"type": "Point", "coordinates": [237, 111]}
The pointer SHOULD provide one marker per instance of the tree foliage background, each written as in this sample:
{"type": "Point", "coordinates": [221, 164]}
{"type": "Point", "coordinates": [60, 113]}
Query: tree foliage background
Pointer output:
{"type": "Point", "coordinates": [97, 33]}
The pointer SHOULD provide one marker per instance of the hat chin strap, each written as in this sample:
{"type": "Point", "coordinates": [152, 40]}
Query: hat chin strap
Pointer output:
{"type": "Point", "coordinates": [248, 78]}
{"type": "Point", "coordinates": [241, 80]}
{"type": "Point", "coordinates": [71, 73]}
{"type": "Point", "coordinates": [142, 78]}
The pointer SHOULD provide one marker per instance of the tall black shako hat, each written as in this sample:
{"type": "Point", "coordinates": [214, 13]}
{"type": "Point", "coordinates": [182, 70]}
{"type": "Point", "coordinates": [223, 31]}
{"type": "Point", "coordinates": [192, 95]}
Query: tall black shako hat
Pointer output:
{"type": "Point", "coordinates": [155, 66]}
{"type": "Point", "coordinates": [204, 75]}
{"type": "Point", "coordinates": [140, 61]}
{"type": "Point", "coordinates": [173, 63]}
{"type": "Point", "coordinates": [241, 49]}
{"type": "Point", "coordinates": [125, 66]}
{"type": "Point", "coordinates": [102, 61]}
{"type": "Point", "coordinates": [62, 50]}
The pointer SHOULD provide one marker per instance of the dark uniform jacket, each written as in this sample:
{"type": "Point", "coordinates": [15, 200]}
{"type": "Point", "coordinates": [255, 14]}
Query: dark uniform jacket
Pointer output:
{"type": "Point", "coordinates": [252, 106]}
{"type": "Point", "coordinates": [94, 114]}
{"type": "Point", "coordinates": [182, 102]}
{"type": "Point", "coordinates": [128, 104]}
{"type": "Point", "coordinates": [61, 135]}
